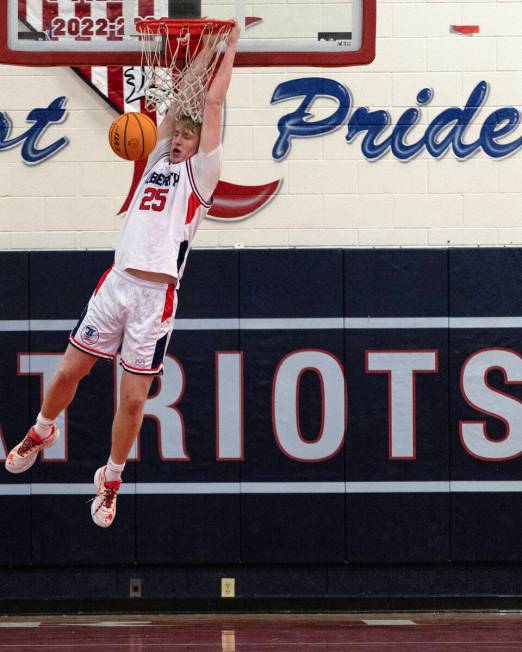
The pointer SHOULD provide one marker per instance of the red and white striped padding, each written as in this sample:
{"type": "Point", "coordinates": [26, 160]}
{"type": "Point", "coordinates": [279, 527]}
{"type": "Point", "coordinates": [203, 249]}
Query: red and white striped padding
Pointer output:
{"type": "Point", "coordinates": [40, 15]}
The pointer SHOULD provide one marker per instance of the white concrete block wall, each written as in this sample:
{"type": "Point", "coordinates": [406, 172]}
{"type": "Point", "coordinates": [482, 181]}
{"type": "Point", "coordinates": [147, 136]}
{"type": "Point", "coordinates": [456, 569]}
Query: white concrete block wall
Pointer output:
{"type": "Point", "coordinates": [330, 194]}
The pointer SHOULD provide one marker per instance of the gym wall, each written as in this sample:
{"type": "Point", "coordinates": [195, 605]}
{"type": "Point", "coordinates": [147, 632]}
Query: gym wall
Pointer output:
{"type": "Point", "coordinates": [330, 194]}
{"type": "Point", "coordinates": [313, 433]}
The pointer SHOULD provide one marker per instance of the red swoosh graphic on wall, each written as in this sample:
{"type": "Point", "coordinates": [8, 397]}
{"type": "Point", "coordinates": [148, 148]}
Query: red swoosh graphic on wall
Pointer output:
{"type": "Point", "coordinates": [252, 20]}
{"type": "Point", "coordinates": [237, 202]}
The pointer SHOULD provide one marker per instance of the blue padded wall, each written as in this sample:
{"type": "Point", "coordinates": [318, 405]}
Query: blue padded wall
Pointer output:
{"type": "Point", "coordinates": [266, 508]}
{"type": "Point", "coordinates": [484, 283]}
{"type": "Point", "coordinates": [399, 526]}
{"type": "Point", "coordinates": [61, 531]}
{"type": "Point", "coordinates": [288, 285]}
{"type": "Point", "coordinates": [194, 528]}
{"type": "Point", "coordinates": [15, 500]}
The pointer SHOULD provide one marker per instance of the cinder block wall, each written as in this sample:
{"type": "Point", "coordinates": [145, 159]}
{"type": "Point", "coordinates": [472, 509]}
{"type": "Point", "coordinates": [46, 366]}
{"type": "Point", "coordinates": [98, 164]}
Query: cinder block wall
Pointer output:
{"type": "Point", "coordinates": [330, 194]}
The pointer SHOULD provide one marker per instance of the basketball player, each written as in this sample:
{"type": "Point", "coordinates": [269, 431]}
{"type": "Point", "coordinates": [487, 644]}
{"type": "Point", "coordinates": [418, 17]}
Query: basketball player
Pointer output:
{"type": "Point", "coordinates": [135, 301]}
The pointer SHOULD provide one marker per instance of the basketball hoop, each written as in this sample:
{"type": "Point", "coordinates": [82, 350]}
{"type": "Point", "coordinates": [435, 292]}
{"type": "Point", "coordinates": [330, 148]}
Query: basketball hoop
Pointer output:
{"type": "Point", "coordinates": [179, 58]}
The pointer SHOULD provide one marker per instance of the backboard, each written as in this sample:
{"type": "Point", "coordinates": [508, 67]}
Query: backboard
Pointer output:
{"type": "Point", "coordinates": [102, 32]}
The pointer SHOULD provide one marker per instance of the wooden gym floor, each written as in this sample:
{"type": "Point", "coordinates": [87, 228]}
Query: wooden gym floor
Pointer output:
{"type": "Point", "coordinates": [401, 632]}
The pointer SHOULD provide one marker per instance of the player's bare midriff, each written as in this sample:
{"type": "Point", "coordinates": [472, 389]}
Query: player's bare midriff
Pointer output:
{"type": "Point", "coordinates": [151, 276]}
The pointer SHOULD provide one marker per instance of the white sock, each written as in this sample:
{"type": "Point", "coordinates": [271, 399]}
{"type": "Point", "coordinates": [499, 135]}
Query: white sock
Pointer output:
{"type": "Point", "coordinates": [43, 426]}
{"type": "Point", "coordinates": [113, 471]}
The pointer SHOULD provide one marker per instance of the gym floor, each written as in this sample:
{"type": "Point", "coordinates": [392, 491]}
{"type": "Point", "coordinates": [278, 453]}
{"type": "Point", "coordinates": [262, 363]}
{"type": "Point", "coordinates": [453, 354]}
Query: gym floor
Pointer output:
{"type": "Point", "coordinates": [427, 632]}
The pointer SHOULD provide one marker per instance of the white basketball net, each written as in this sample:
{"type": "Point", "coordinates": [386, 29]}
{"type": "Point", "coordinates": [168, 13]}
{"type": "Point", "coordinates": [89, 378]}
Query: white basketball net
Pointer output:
{"type": "Point", "coordinates": [184, 83]}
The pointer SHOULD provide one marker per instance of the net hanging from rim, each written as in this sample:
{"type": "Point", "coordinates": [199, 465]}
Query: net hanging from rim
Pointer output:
{"type": "Point", "coordinates": [179, 58]}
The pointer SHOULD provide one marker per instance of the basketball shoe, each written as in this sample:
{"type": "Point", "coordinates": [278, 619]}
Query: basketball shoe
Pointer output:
{"type": "Point", "coordinates": [103, 508]}
{"type": "Point", "coordinates": [24, 454]}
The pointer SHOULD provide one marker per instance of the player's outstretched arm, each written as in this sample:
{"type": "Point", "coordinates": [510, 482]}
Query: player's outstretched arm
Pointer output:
{"type": "Point", "coordinates": [211, 127]}
{"type": "Point", "coordinates": [166, 128]}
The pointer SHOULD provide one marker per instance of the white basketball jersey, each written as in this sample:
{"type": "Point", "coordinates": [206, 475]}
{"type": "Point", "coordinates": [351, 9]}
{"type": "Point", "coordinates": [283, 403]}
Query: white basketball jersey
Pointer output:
{"type": "Point", "coordinates": [166, 210]}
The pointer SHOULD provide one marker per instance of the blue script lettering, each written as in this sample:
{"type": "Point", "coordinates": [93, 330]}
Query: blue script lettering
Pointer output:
{"type": "Point", "coordinates": [489, 133]}
{"type": "Point", "coordinates": [41, 118]}
{"type": "Point", "coordinates": [447, 130]}
{"type": "Point", "coordinates": [295, 124]}
{"type": "Point", "coordinates": [374, 123]}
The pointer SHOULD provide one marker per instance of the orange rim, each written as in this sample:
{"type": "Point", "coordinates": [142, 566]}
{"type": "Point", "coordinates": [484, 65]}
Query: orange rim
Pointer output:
{"type": "Point", "coordinates": [175, 26]}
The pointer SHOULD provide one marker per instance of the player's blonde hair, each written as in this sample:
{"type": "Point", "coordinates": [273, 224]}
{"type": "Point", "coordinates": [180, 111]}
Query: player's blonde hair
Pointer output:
{"type": "Point", "coordinates": [189, 123]}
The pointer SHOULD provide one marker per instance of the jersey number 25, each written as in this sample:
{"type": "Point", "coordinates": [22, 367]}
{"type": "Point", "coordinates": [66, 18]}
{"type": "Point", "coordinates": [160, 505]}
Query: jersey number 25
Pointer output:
{"type": "Point", "coordinates": [154, 199]}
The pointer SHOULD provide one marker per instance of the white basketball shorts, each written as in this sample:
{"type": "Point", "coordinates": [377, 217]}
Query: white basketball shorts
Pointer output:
{"type": "Point", "coordinates": [130, 312]}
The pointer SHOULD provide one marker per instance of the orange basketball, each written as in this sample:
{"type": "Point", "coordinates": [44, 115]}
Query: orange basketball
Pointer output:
{"type": "Point", "coordinates": [133, 136]}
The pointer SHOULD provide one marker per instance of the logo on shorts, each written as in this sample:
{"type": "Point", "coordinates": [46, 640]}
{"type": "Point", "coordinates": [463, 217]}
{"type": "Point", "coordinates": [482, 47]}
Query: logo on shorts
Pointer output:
{"type": "Point", "coordinates": [90, 335]}
{"type": "Point", "coordinates": [141, 362]}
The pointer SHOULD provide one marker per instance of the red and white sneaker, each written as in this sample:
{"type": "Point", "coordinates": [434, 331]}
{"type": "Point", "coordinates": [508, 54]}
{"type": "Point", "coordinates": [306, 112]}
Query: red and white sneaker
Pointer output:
{"type": "Point", "coordinates": [24, 454]}
{"type": "Point", "coordinates": [103, 508]}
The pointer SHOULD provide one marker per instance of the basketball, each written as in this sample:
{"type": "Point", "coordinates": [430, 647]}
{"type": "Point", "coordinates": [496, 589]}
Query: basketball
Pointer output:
{"type": "Point", "coordinates": [133, 136]}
